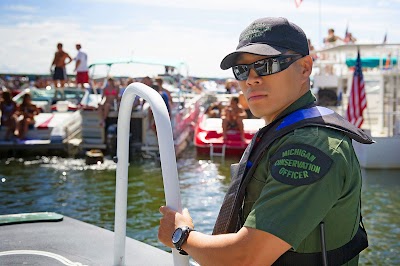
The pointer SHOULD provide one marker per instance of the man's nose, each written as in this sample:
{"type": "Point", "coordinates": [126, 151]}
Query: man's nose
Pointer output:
{"type": "Point", "coordinates": [253, 78]}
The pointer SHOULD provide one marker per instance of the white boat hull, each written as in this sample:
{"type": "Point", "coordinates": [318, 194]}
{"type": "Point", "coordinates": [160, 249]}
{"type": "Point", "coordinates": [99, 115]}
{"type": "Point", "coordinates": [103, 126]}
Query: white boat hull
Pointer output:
{"type": "Point", "coordinates": [384, 154]}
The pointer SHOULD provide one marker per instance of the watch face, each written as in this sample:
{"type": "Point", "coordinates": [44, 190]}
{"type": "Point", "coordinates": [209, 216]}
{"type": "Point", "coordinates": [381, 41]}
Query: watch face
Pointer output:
{"type": "Point", "coordinates": [177, 235]}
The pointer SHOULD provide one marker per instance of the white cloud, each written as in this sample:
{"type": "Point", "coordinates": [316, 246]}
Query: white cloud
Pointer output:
{"type": "Point", "coordinates": [31, 43]}
{"type": "Point", "coordinates": [223, 5]}
{"type": "Point", "coordinates": [31, 46]}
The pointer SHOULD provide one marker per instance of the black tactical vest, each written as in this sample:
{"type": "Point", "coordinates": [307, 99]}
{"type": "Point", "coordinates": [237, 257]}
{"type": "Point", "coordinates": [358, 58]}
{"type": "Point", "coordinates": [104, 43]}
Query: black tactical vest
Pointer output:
{"type": "Point", "coordinates": [229, 221]}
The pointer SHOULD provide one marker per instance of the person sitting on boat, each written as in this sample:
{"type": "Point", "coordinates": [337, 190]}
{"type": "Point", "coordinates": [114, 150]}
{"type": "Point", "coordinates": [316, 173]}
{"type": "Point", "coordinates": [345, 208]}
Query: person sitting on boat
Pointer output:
{"type": "Point", "coordinates": [27, 110]}
{"type": "Point", "coordinates": [8, 110]}
{"type": "Point", "coordinates": [214, 110]}
{"type": "Point", "coordinates": [110, 99]}
{"type": "Point", "coordinates": [232, 117]}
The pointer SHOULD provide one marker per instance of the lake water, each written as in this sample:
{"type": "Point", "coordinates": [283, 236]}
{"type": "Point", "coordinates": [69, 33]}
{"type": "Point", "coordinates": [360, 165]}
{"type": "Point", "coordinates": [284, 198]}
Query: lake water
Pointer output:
{"type": "Point", "coordinates": [87, 193]}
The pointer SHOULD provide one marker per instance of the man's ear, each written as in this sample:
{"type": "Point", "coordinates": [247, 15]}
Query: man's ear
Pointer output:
{"type": "Point", "coordinates": [306, 64]}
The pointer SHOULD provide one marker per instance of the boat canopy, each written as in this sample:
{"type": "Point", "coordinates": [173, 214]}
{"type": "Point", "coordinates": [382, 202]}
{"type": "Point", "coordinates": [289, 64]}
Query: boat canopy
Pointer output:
{"type": "Point", "coordinates": [110, 62]}
{"type": "Point", "coordinates": [370, 61]}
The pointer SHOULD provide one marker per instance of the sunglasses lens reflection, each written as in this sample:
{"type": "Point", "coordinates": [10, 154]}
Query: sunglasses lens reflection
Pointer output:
{"type": "Point", "coordinates": [264, 67]}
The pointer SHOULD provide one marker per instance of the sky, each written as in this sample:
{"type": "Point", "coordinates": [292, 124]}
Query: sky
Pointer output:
{"type": "Point", "coordinates": [200, 33]}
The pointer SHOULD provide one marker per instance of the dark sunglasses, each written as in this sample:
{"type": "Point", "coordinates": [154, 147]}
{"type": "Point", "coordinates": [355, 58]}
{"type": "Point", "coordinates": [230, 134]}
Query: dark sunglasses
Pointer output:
{"type": "Point", "coordinates": [266, 66]}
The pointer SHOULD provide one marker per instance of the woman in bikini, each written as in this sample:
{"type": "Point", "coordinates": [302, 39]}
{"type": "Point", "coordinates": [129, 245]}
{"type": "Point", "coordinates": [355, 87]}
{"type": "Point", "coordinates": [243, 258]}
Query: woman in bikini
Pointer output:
{"type": "Point", "coordinates": [8, 110]}
{"type": "Point", "coordinates": [232, 117]}
{"type": "Point", "coordinates": [28, 111]}
{"type": "Point", "coordinates": [110, 98]}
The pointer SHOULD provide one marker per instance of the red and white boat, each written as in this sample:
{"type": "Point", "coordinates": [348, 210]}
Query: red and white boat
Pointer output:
{"type": "Point", "coordinates": [59, 131]}
{"type": "Point", "coordinates": [208, 138]}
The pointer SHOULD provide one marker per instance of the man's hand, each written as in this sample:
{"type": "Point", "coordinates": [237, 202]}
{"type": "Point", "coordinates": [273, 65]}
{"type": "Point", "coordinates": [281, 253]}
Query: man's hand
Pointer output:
{"type": "Point", "coordinates": [170, 221]}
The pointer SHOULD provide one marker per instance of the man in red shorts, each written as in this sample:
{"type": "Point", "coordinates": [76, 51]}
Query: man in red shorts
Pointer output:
{"type": "Point", "coordinates": [81, 67]}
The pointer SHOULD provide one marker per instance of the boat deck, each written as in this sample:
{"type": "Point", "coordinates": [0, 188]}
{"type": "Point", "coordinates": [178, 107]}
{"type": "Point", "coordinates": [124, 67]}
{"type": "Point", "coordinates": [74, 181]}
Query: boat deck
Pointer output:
{"type": "Point", "coordinates": [71, 240]}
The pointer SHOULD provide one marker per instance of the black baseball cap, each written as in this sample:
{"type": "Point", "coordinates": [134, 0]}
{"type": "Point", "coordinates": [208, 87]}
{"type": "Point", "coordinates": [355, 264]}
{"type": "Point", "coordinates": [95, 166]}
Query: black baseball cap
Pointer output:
{"type": "Point", "coordinates": [269, 36]}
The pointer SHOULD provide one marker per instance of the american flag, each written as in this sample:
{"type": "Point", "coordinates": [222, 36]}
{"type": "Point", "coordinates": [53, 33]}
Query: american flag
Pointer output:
{"type": "Point", "coordinates": [298, 2]}
{"type": "Point", "coordinates": [357, 100]}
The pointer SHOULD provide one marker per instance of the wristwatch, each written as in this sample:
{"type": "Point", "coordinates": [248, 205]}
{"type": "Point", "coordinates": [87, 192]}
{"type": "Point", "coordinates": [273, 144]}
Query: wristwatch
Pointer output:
{"type": "Point", "coordinates": [179, 237]}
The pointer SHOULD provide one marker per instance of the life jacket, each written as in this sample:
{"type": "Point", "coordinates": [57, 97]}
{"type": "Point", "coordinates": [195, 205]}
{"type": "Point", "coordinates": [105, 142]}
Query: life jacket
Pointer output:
{"type": "Point", "coordinates": [229, 220]}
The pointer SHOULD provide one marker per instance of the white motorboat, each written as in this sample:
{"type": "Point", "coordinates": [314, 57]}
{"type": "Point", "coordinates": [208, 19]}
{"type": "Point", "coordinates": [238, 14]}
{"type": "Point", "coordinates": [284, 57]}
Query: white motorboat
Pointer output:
{"type": "Point", "coordinates": [184, 111]}
{"type": "Point", "coordinates": [332, 78]}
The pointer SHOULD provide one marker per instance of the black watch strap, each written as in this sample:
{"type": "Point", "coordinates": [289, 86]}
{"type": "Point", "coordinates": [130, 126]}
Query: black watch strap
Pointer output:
{"type": "Point", "coordinates": [185, 234]}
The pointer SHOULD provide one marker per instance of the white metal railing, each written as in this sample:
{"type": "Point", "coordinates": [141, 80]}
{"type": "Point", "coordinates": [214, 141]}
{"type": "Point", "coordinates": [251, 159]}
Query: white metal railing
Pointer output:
{"type": "Point", "coordinates": [168, 164]}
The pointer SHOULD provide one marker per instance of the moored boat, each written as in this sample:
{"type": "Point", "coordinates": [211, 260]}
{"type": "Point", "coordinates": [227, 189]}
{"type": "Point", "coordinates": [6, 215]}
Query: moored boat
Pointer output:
{"type": "Point", "coordinates": [184, 110]}
{"type": "Point", "coordinates": [58, 131]}
{"type": "Point", "coordinates": [209, 140]}
{"type": "Point", "coordinates": [333, 79]}
{"type": "Point", "coordinates": [52, 99]}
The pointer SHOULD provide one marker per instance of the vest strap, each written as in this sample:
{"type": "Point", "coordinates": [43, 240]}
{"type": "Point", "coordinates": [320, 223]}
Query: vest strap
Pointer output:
{"type": "Point", "coordinates": [337, 256]}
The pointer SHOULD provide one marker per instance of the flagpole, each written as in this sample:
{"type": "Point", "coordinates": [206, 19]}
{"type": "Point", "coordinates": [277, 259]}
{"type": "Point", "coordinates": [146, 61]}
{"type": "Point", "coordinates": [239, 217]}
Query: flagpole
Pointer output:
{"type": "Point", "coordinates": [319, 23]}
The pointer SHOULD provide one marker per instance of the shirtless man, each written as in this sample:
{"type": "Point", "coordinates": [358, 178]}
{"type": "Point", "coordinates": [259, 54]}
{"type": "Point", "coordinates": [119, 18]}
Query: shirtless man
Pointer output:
{"type": "Point", "coordinates": [232, 117]}
{"type": "Point", "coordinates": [60, 75]}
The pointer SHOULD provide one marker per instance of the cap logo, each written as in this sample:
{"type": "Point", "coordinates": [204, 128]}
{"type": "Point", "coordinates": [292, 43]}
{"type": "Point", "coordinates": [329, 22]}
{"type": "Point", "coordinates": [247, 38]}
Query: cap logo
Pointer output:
{"type": "Point", "coordinates": [254, 30]}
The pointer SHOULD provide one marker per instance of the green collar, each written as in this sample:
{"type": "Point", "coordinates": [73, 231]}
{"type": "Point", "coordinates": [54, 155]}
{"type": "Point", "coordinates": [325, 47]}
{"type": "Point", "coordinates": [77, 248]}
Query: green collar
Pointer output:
{"type": "Point", "coordinates": [304, 100]}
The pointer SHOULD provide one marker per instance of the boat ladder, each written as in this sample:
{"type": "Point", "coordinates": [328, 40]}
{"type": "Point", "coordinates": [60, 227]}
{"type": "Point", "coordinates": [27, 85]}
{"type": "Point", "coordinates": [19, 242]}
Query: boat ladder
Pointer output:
{"type": "Point", "coordinates": [168, 165]}
{"type": "Point", "coordinates": [214, 153]}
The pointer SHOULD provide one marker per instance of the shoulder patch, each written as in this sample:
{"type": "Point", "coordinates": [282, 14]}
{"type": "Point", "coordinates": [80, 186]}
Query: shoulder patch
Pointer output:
{"type": "Point", "coordinates": [299, 164]}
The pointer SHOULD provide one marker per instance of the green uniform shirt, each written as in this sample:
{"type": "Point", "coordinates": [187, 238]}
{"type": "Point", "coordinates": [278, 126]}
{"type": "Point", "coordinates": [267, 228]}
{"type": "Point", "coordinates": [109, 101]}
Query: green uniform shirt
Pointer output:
{"type": "Point", "coordinates": [293, 213]}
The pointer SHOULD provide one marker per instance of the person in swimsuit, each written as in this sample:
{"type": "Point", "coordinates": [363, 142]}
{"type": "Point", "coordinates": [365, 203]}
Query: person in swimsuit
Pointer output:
{"type": "Point", "coordinates": [232, 117]}
{"type": "Point", "coordinates": [111, 99]}
{"type": "Point", "coordinates": [214, 110]}
{"type": "Point", "coordinates": [28, 111]}
{"type": "Point", "coordinates": [59, 73]}
{"type": "Point", "coordinates": [8, 110]}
